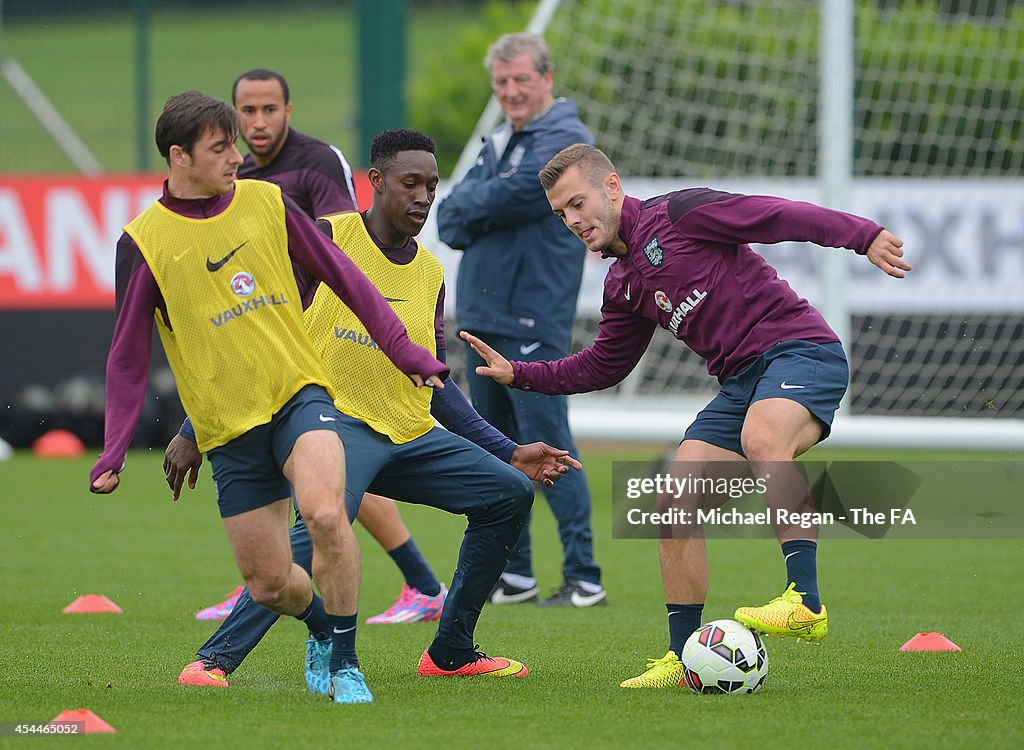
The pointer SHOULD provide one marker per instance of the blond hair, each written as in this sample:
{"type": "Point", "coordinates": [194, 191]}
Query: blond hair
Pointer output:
{"type": "Point", "coordinates": [593, 164]}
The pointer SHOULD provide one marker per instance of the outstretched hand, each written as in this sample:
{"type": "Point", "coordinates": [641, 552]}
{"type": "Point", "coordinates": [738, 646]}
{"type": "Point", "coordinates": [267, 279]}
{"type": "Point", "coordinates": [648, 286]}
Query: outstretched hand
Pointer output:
{"type": "Point", "coordinates": [542, 463]}
{"type": "Point", "coordinates": [181, 458]}
{"type": "Point", "coordinates": [497, 368]}
{"type": "Point", "coordinates": [886, 252]}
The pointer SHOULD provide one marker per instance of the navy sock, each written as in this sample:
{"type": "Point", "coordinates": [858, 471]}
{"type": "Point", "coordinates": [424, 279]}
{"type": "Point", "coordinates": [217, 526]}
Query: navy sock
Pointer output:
{"type": "Point", "coordinates": [316, 619]}
{"type": "Point", "coordinates": [449, 658]}
{"type": "Point", "coordinates": [683, 619]}
{"type": "Point", "coordinates": [414, 567]}
{"type": "Point", "coordinates": [343, 632]}
{"type": "Point", "coordinates": [802, 570]}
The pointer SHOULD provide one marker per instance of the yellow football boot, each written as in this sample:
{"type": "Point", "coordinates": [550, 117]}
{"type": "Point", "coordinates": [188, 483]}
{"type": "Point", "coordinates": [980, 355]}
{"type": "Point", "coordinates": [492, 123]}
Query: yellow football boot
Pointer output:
{"type": "Point", "coordinates": [786, 615]}
{"type": "Point", "coordinates": [661, 673]}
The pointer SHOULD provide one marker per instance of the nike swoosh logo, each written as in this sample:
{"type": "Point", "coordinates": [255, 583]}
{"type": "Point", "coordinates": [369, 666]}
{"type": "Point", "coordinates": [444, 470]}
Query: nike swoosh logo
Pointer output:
{"type": "Point", "coordinates": [586, 600]}
{"type": "Point", "coordinates": [394, 299]}
{"type": "Point", "coordinates": [787, 387]}
{"type": "Point", "coordinates": [211, 266]}
{"type": "Point", "coordinates": [626, 295]}
{"type": "Point", "coordinates": [327, 419]}
{"type": "Point", "coordinates": [529, 348]}
{"type": "Point", "coordinates": [793, 624]}
{"type": "Point", "coordinates": [500, 597]}
{"type": "Point", "coordinates": [791, 554]}
{"type": "Point", "coordinates": [346, 630]}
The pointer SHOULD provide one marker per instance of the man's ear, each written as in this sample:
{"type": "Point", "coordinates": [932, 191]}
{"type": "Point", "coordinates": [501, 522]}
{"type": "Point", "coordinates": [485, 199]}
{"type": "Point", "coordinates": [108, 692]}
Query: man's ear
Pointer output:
{"type": "Point", "coordinates": [613, 185]}
{"type": "Point", "coordinates": [376, 178]}
{"type": "Point", "coordinates": [179, 157]}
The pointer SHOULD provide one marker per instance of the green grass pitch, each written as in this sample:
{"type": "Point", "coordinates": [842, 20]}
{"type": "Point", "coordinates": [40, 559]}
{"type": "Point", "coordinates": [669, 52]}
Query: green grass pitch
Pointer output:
{"type": "Point", "coordinates": [162, 561]}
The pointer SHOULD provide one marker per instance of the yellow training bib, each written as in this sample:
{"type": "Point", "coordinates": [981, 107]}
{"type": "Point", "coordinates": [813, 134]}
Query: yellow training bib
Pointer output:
{"type": "Point", "coordinates": [236, 342]}
{"type": "Point", "coordinates": [367, 385]}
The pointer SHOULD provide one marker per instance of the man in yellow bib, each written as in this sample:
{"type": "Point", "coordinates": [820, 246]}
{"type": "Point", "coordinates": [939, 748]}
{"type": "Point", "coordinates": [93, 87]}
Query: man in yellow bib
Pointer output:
{"type": "Point", "coordinates": [388, 426]}
{"type": "Point", "coordinates": [317, 176]}
{"type": "Point", "coordinates": [212, 263]}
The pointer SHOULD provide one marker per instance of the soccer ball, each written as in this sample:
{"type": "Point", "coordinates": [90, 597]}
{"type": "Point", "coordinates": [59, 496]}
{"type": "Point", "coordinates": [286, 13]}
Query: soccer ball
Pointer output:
{"type": "Point", "coordinates": [723, 656]}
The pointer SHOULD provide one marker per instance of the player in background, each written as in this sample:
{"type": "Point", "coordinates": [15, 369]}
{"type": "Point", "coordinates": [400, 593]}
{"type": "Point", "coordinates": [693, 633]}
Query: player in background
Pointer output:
{"type": "Point", "coordinates": [314, 174]}
{"type": "Point", "coordinates": [213, 263]}
{"type": "Point", "coordinates": [517, 284]}
{"type": "Point", "coordinates": [391, 441]}
{"type": "Point", "coordinates": [682, 261]}
{"type": "Point", "coordinates": [319, 179]}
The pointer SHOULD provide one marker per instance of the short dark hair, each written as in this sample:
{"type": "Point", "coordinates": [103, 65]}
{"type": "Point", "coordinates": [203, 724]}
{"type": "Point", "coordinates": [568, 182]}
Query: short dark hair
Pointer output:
{"type": "Point", "coordinates": [388, 144]}
{"type": "Point", "coordinates": [261, 74]}
{"type": "Point", "coordinates": [593, 164]}
{"type": "Point", "coordinates": [187, 117]}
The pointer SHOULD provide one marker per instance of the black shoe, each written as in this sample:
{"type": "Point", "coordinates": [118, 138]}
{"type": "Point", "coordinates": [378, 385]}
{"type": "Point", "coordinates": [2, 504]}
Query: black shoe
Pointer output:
{"type": "Point", "coordinates": [506, 593]}
{"type": "Point", "coordinates": [573, 595]}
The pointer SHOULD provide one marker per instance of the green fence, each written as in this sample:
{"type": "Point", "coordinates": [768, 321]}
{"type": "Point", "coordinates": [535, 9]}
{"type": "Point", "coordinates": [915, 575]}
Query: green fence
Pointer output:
{"type": "Point", "coordinates": [83, 56]}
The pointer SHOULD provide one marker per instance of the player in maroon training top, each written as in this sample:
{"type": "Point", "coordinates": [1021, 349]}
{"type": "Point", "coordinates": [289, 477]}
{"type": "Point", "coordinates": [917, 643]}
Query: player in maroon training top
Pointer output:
{"type": "Point", "coordinates": [682, 262]}
{"type": "Point", "coordinates": [314, 174]}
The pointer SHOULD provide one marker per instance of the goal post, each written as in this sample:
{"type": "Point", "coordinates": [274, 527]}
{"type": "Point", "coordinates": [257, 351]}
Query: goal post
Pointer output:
{"type": "Point", "coordinates": [905, 111]}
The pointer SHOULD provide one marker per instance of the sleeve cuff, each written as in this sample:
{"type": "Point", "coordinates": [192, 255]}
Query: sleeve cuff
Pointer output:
{"type": "Point", "coordinates": [186, 430]}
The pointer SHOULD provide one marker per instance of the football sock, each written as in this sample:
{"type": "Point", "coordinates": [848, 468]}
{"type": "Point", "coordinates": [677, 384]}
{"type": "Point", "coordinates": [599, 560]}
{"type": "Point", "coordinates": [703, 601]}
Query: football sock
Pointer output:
{"type": "Point", "coordinates": [343, 629]}
{"type": "Point", "coordinates": [802, 570]}
{"type": "Point", "coordinates": [316, 619]}
{"type": "Point", "coordinates": [519, 581]}
{"type": "Point", "coordinates": [683, 619]}
{"type": "Point", "coordinates": [414, 567]}
{"type": "Point", "coordinates": [590, 588]}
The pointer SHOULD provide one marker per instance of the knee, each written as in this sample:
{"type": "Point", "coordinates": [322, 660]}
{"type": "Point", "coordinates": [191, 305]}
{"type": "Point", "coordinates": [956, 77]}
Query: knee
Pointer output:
{"type": "Point", "coordinates": [762, 445]}
{"type": "Point", "coordinates": [524, 499]}
{"type": "Point", "coordinates": [267, 589]}
{"type": "Point", "coordinates": [518, 501]}
{"type": "Point", "coordinates": [327, 522]}
{"type": "Point", "coordinates": [666, 502]}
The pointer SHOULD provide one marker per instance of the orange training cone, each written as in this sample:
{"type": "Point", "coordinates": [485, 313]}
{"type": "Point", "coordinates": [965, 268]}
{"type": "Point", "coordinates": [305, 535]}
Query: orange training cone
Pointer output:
{"type": "Point", "coordinates": [90, 722]}
{"type": "Point", "coordinates": [92, 603]}
{"type": "Point", "coordinates": [58, 444]}
{"type": "Point", "coordinates": [929, 642]}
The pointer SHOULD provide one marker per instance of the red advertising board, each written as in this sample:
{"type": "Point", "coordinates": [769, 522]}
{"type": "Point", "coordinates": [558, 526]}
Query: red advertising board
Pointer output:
{"type": "Point", "coordinates": [58, 234]}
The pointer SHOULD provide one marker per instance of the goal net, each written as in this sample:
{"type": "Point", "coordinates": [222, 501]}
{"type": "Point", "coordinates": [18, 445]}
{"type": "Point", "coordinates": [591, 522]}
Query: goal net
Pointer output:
{"type": "Point", "coordinates": [728, 94]}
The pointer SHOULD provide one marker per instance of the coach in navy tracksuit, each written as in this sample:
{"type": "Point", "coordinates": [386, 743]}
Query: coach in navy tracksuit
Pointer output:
{"type": "Point", "coordinates": [518, 280]}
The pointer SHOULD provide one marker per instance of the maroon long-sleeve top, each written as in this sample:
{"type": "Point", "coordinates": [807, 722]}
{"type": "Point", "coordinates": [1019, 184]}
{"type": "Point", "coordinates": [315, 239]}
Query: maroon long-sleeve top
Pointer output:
{"type": "Point", "coordinates": [689, 268]}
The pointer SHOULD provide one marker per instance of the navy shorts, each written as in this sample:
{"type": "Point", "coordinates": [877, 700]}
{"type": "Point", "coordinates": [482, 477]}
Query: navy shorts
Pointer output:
{"type": "Point", "coordinates": [814, 375]}
{"type": "Point", "coordinates": [439, 469]}
{"type": "Point", "coordinates": [247, 472]}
